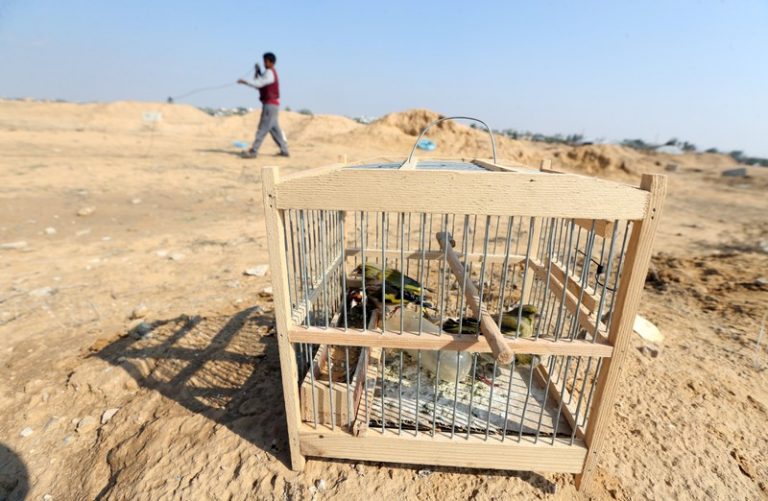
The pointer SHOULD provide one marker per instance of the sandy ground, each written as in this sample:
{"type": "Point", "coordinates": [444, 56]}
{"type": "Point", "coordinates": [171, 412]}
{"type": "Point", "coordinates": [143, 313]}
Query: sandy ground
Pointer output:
{"type": "Point", "coordinates": [170, 219]}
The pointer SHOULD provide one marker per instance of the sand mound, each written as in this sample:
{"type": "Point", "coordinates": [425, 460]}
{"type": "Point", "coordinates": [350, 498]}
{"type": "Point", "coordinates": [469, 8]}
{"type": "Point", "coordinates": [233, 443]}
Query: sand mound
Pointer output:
{"type": "Point", "coordinates": [412, 122]}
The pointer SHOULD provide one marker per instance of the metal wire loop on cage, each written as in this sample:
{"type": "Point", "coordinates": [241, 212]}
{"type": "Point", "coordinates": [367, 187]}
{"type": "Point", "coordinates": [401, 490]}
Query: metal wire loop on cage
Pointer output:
{"type": "Point", "coordinates": [490, 133]}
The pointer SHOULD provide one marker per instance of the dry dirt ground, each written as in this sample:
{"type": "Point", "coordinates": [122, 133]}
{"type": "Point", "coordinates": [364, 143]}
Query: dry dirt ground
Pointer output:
{"type": "Point", "coordinates": [187, 405]}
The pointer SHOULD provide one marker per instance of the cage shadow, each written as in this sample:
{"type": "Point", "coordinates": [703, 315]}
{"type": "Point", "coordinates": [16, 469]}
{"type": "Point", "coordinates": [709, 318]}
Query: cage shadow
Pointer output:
{"type": "Point", "coordinates": [14, 477]}
{"type": "Point", "coordinates": [223, 368]}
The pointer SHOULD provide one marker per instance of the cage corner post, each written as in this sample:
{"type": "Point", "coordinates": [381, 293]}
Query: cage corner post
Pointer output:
{"type": "Point", "coordinates": [278, 262]}
{"type": "Point", "coordinates": [627, 302]}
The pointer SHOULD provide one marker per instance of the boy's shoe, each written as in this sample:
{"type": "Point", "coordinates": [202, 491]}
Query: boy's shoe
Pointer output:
{"type": "Point", "coordinates": [283, 154]}
{"type": "Point", "coordinates": [249, 154]}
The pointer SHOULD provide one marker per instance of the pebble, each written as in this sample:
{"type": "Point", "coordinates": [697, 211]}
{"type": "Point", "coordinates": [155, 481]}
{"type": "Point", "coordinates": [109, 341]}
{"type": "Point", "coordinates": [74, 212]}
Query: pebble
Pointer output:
{"type": "Point", "coordinates": [360, 469]}
{"type": "Point", "coordinates": [257, 271]}
{"type": "Point", "coordinates": [140, 311]}
{"type": "Point", "coordinates": [68, 439]}
{"type": "Point", "coordinates": [86, 211]}
{"type": "Point", "coordinates": [143, 329]}
{"type": "Point", "coordinates": [233, 284]}
{"type": "Point", "coordinates": [50, 230]}
{"type": "Point", "coordinates": [108, 414]}
{"type": "Point", "coordinates": [42, 292]}
{"type": "Point", "coordinates": [161, 253]}
{"type": "Point", "coordinates": [320, 485]}
{"type": "Point", "coordinates": [266, 292]}
{"type": "Point", "coordinates": [176, 256]}
{"type": "Point", "coordinates": [47, 497]}
{"type": "Point", "coordinates": [136, 201]}
{"type": "Point", "coordinates": [250, 406]}
{"type": "Point", "coordinates": [762, 281]}
{"type": "Point", "coordinates": [424, 473]}
{"type": "Point", "coordinates": [86, 424]}
{"type": "Point", "coordinates": [26, 432]}
{"type": "Point", "coordinates": [13, 245]}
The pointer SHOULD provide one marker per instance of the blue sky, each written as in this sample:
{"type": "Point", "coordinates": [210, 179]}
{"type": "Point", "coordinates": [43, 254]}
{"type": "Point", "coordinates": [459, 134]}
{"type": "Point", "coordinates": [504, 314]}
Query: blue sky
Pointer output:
{"type": "Point", "coordinates": [613, 70]}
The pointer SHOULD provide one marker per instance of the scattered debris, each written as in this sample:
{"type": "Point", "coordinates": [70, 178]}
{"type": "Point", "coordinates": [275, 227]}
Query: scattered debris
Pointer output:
{"type": "Point", "coordinates": [13, 245]}
{"type": "Point", "coordinates": [26, 432]}
{"type": "Point", "coordinates": [257, 271]}
{"type": "Point", "coordinates": [109, 414]}
{"type": "Point", "coordinates": [738, 172]}
{"type": "Point", "coordinates": [671, 167]}
{"type": "Point", "coordinates": [86, 211]}
{"type": "Point", "coordinates": [426, 145]}
{"type": "Point", "coordinates": [646, 330]}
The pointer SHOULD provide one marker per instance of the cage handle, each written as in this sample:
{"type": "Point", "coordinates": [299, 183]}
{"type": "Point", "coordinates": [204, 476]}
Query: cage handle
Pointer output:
{"type": "Point", "coordinates": [424, 131]}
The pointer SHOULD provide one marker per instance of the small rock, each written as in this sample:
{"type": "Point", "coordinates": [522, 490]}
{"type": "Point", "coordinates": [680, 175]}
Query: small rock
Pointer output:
{"type": "Point", "coordinates": [42, 292]}
{"type": "Point", "coordinates": [257, 271]}
{"type": "Point", "coordinates": [14, 245]}
{"type": "Point", "coordinates": [86, 424]}
{"type": "Point", "coordinates": [142, 329]}
{"type": "Point", "coordinates": [671, 168]}
{"type": "Point", "coordinates": [233, 284]}
{"type": "Point", "coordinates": [50, 230]}
{"type": "Point", "coordinates": [250, 407]}
{"type": "Point", "coordinates": [108, 414]}
{"type": "Point", "coordinates": [320, 485]}
{"type": "Point", "coordinates": [360, 470]}
{"type": "Point", "coordinates": [266, 292]}
{"type": "Point", "coordinates": [26, 432]}
{"type": "Point", "coordinates": [47, 497]}
{"type": "Point", "coordinates": [176, 256]}
{"type": "Point", "coordinates": [82, 233]}
{"type": "Point", "coordinates": [136, 201]}
{"type": "Point", "coordinates": [68, 439]}
{"type": "Point", "coordinates": [424, 473]}
{"type": "Point", "coordinates": [161, 253]}
{"type": "Point", "coordinates": [86, 211]}
{"type": "Point", "coordinates": [761, 282]}
{"type": "Point", "coordinates": [140, 311]}
{"type": "Point", "coordinates": [649, 351]}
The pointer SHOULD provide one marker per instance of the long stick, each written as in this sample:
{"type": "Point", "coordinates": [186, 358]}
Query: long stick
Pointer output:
{"type": "Point", "coordinates": [501, 352]}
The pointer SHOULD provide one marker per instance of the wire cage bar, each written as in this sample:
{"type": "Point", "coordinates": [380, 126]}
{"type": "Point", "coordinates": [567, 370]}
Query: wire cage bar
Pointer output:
{"type": "Point", "coordinates": [457, 313]}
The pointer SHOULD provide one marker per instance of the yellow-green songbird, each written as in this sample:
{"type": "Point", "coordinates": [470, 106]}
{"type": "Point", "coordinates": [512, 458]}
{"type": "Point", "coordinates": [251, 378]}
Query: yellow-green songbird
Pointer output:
{"type": "Point", "coordinates": [393, 295]}
{"type": "Point", "coordinates": [508, 325]}
{"type": "Point", "coordinates": [393, 278]}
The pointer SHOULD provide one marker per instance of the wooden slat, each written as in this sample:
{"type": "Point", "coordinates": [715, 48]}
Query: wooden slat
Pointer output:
{"type": "Point", "coordinates": [488, 326]}
{"type": "Point", "coordinates": [415, 255]}
{"type": "Point", "coordinates": [583, 314]}
{"type": "Point", "coordinates": [463, 192]}
{"type": "Point", "coordinates": [444, 341]}
{"type": "Point", "coordinates": [472, 452]}
{"type": "Point", "coordinates": [636, 263]}
{"type": "Point", "coordinates": [510, 166]}
{"type": "Point", "coordinates": [588, 299]}
{"type": "Point", "coordinates": [567, 410]}
{"type": "Point", "coordinates": [603, 228]}
{"type": "Point", "coordinates": [282, 301]}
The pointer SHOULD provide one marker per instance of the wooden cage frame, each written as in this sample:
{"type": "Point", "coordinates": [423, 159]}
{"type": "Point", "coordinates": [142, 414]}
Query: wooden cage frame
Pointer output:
{"type": "Point", "coordinates": [501, 190]}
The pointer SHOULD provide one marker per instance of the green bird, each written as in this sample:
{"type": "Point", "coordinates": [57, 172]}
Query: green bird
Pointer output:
{"type": "Point", "coordinates": [508, 325]}
{"type": "Point", "coordinates": [393, 278]}
{"type": "Point", "coordinates": [393, 295]}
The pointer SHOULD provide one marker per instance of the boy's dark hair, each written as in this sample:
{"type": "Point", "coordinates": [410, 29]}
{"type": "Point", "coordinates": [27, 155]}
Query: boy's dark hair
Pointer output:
{"type": "Point", "coordinates": [270, 57]}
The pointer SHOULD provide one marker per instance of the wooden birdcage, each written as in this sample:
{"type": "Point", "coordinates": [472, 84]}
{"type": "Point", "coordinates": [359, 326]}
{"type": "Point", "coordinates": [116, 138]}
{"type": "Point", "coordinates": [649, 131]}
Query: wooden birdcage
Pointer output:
{"type": "Point", "coordinates": [361, 356]}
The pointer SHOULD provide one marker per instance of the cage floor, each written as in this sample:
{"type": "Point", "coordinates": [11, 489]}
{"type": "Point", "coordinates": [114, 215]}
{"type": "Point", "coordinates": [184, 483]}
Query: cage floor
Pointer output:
{"type": "Point", "coordinates": [473, 406]}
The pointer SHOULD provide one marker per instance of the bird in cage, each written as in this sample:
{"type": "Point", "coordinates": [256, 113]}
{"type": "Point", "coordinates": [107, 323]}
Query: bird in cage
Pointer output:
{"type": "Point", "coordinates": [527, 315]}
{"type": "Point", "coordinates": [392, 295]}
{"type": "Point", "coordinates": [392, 278]}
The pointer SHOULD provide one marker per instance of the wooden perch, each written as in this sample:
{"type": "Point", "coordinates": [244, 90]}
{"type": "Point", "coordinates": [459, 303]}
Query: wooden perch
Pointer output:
{"type": "Point", "coordinates": [501, 352]}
